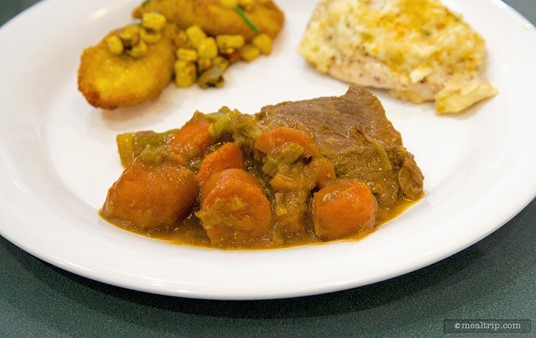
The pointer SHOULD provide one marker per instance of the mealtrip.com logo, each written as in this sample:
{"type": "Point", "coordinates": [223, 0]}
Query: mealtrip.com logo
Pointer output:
{"type": "Point", "coordinates": [487, 326]}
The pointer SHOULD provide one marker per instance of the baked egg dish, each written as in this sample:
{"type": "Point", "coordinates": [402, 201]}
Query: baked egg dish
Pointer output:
{"type": "Point", "coordinates": [418, 50]}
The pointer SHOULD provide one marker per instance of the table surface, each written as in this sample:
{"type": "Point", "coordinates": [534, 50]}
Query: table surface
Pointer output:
{"type": "Point", "coordinates": [493, 279]}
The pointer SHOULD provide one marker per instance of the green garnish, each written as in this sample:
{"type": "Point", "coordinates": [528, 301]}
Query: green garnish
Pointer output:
{"type": "Point", "coordinates": [244, 17]}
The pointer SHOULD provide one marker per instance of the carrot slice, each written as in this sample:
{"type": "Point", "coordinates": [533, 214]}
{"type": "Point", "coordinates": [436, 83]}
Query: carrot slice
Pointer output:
{"type": "Point", "coordinates": [151, 196]}
{"type": "Point", "coordinates": [278, 137]}
{"type": "Point", "coordinates": [343, 208]}
{"type": "Point", "coordinates": [323, 171]}
{"type": "Point", "coordinates": [227, 156]}
{"type": "Point", "coordinates": [193, 139]}
{"type": "Point", "coordinates": [234, 210]}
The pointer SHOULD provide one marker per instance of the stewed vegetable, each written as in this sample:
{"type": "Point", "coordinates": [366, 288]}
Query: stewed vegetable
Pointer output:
{"type": "Point", "coordinates": [234, 181]}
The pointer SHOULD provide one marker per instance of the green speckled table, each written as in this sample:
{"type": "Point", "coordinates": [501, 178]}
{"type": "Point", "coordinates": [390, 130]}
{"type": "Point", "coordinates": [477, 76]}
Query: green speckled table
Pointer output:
{"type": "Point", "coordinates": [493, 279]}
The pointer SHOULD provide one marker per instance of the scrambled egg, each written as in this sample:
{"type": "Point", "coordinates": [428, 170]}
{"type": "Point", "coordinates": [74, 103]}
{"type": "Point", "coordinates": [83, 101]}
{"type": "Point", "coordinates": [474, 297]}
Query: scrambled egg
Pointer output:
{"type": "Point", "coordinates": [417, 49]}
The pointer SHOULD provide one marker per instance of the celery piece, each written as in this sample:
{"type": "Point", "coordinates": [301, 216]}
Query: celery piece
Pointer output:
{"type": "Point", "coordinates": [221, 126]}
{"type": "Point", "coordinates": [288, 154]}
{"type": "Point", "coordinates": [153, 155]}
{"type": "Point", "coordinates": [270, 166]}
{"type": "Point", "coordinates": [131, 145]}
{"type": "Point", "coordinates": [125, 148]}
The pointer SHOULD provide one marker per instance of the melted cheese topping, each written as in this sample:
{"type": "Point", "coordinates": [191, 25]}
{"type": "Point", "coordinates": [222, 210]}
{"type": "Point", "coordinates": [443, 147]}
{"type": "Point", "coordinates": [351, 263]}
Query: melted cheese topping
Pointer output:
{"type": "Point", "coordinates": [421, 41]}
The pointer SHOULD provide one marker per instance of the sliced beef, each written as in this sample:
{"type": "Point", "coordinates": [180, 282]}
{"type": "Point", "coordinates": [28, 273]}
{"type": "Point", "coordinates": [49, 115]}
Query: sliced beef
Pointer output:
{"type": "Point", "coordinates": [353, 132]}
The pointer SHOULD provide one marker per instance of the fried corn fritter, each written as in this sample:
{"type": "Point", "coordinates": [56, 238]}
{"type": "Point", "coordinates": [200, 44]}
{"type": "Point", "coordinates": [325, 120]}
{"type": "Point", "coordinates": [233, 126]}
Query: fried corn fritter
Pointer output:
{"type": "Point", "coordinates": [189, 41]}
{"type": "Point", "coordinates": [110, 81]}
{"type": "Point", "coordinates": [216, 19]}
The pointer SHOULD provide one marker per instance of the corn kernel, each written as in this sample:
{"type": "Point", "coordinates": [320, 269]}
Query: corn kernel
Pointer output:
{"type": "Point", "coordinates": [264, 43]}
{"type": "Point", "coordinates": [138, 50]}
{"type": "Point", "coordinates": [249, 53]}
{"type": "Point", "coordinates": [212, 77]}
{"type": "Point", "coordinates": [207, 48]}
{"type": "Point", "coordinates": [203, 64]}
{"type": "Point", "coordinates": [187, 54]}
{"type": "Point", "coordinates": [219, 61]}
{"type": "Point", "coordinates": [153, 21]}
{"type": "Point", "coordinates": [130, 35]}
{"type": "Point", "coordinates": [233, 57]}
{"type": "Point", "coordinates": [180, 40]}
{"type": "Point", "coordinates": [229, 3]}
{"type": "Point", "coordinates": [115, 45]}
{"type": "Point", "coordinates": [185, 73]}
{"type": "Point", "coordinates": [195, 35]}
{"type": "Point", "coordinates": [150, 36]}
{"type": "Point", "coordinates": [226, 42]}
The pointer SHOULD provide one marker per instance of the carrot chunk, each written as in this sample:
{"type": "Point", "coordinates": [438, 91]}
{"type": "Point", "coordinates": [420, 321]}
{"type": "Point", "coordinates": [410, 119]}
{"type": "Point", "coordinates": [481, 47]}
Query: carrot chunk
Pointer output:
{"type": "Point", "coordinates": [234, 210]}
{"type": "Point", "coordinates": [323, 171]}
{"type": "Point", "coordinates": [278, 137]}
{"type": "Point", "coordinates": [193, 139]}
{"type": "Point", "coordinates": [227, 156]}
{"type": "Point", "coordinates": [343, 208]}
{"type": "Point", "coordinates": [151, 196]}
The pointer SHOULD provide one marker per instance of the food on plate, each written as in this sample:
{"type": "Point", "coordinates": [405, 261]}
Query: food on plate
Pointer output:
{"type": "Point", "coordinates": [353, 133]}
{"type": "Point", "coordinates": [340, 207]}
{"type": "Point", "coordinates": [188, 42]}
{"type": "Point", "coordinates": [228, 156]}
{"type": "Point", "coordinates": [219, 17]}
{"type": "Point", "coordinates": [152, 196]}
{"type": "Point", "coordinates": [417, 50]}
{"type": "Point", "coordinates": [124, 70]}
{"type": "Point", "coordinates": [193, 139]}
{"type": "Point", "coordinates": [234, 209]}
{"type": "Point", "coordinates": [297, 172]}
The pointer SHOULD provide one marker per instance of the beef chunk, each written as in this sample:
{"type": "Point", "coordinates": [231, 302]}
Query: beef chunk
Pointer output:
{"type": "Point", "coordinates": [353, 132]}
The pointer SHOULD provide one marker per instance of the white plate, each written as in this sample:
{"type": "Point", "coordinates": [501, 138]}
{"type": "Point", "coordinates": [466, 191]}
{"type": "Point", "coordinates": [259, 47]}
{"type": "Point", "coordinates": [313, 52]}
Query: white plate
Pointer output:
{"type": "Point", "coordinates": [58, 157]}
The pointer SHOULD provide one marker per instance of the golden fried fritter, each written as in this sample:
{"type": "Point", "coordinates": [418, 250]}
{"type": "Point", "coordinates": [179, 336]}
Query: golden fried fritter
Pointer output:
{"type": "Point", "coordinates": [216, 19]}
{"type": "Point", "coordinates": [110, 81]}
{"type": "Point", "coordinates": [110, 77]}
